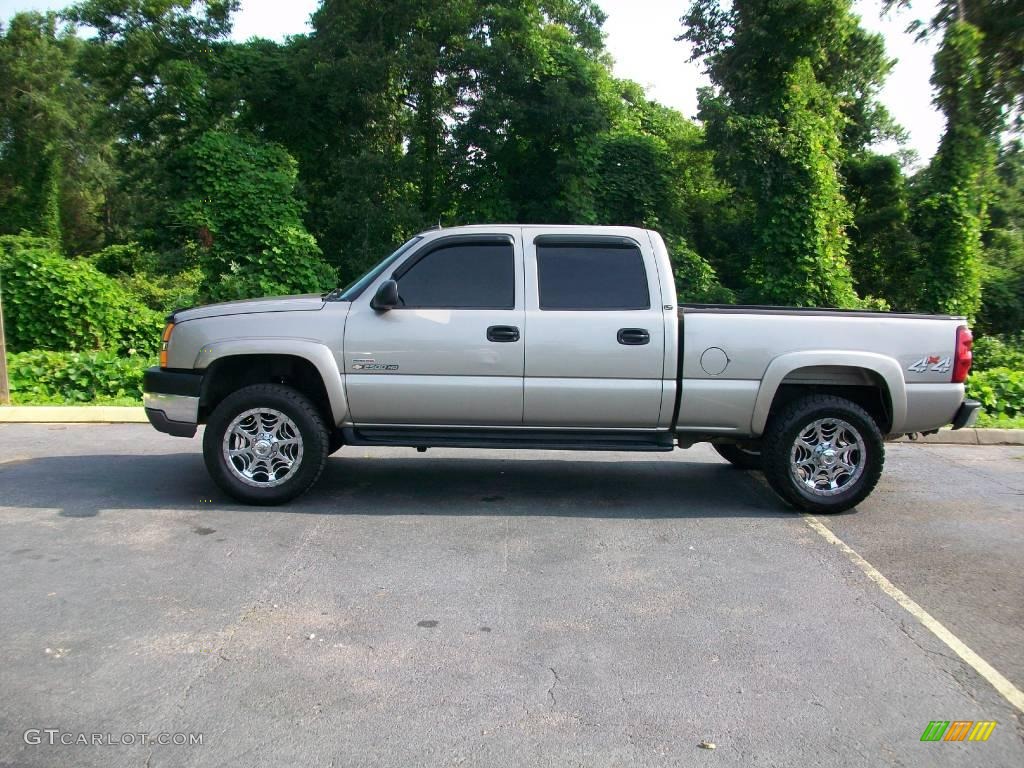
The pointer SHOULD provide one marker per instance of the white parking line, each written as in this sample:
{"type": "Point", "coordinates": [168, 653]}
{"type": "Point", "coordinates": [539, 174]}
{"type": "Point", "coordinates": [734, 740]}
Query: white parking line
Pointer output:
{"type": "Point", "coordinates": [1006, 689]}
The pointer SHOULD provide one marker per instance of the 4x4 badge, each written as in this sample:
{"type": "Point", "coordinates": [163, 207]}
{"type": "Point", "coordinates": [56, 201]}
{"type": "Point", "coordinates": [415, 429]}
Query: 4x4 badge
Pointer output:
{"type": "Point", "coordinates": [931, 363]}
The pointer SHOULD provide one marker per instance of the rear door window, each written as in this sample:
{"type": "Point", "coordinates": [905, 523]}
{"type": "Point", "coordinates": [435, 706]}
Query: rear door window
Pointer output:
{"type": "Point", "coordinates": [591, 277]}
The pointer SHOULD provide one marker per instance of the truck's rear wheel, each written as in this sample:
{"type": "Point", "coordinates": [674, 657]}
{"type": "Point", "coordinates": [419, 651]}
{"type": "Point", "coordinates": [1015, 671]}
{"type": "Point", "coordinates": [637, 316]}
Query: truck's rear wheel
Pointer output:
{"type": "Point", "coordinates": [265, 444]}
{"type": "Point", "coordinates": [740, 455]}
{"type": "Point", "coordinates": [823, 453]}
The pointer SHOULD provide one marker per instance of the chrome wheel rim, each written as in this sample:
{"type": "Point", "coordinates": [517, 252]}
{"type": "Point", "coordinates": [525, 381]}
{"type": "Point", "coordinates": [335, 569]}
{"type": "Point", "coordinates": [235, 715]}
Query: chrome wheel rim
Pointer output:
{"type": "Point", "coordinates": [827, 458]}
{"type": "Point", "coordinates": [262, 447]}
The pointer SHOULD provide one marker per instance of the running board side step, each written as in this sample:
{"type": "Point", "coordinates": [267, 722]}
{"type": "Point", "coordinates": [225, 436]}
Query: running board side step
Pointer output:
{"type": "Point", "coordinates": [420, 437]}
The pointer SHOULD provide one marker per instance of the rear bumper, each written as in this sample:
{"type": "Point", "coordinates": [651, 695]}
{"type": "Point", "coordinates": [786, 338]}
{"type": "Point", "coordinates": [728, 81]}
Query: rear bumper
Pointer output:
{"type": "Point", "coordinates": [171, 399]}
{"type": "Point", "coordinates": [966, 414]}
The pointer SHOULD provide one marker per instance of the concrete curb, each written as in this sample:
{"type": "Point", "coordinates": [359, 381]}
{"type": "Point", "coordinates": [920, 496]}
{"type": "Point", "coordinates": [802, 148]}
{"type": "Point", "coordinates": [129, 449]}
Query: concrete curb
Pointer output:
{"type": "Point", "coordinates": [112, 414]}
{"type": "Point", "coordinates": [987, 436]}
{"type": "Point", "coordinates": [72, 414]}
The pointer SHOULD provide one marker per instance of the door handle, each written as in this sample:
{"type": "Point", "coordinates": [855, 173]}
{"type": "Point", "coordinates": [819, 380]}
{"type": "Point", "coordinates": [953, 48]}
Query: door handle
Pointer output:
{"type": "Point", "coordinates": [503, 333]}
{"type": "Point", "coordinates": [633, 337]}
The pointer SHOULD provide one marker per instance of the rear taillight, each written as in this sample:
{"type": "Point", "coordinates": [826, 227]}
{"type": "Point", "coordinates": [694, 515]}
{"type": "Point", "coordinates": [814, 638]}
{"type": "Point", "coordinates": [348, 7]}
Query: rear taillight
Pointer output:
{"type": "Point", "coordinates": [964, 356]}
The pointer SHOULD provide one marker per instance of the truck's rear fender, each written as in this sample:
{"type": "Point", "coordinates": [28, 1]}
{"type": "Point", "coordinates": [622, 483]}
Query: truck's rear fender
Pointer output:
{"type": "Point", "coordinates": [874, 381]}
{"type": "Point", "coordinates": [307, 365]}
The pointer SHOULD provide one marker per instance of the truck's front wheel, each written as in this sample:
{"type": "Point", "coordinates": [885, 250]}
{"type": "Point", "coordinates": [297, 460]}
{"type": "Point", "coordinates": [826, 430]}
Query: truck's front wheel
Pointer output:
{"type": "Point", "coordinates": [265, 444]}
{"type": "Point", "coordinates": [823, 453]}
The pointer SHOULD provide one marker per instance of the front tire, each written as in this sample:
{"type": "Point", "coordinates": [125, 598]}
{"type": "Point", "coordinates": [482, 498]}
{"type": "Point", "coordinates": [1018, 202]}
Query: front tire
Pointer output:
{"type": "Point", "coordinates": [265, 444]}
{"type": "Point", "coordinates": [823, 454]}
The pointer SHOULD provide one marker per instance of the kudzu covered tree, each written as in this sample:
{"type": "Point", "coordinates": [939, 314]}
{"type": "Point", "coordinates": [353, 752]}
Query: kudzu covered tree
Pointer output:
{"type": "Point", "coordinates": [237, 199]}
{"type": "Point", "coordinates": [794, 84]}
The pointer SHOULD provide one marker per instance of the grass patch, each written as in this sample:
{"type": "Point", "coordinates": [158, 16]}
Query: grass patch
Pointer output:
{"type": "Point", "coordinates": [1000, 422]}
{"type": "Point", "coordinates": [121, 401]}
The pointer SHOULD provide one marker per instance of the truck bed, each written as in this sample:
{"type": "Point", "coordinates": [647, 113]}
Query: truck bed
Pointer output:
{"type": "Point", "coordinates": [732, 357]}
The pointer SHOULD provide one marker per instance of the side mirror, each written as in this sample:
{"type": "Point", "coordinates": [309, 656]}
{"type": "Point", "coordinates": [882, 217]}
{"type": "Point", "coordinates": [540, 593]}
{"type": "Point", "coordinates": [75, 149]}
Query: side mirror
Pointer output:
{"type": "Point", "coordinates": [386, 296]}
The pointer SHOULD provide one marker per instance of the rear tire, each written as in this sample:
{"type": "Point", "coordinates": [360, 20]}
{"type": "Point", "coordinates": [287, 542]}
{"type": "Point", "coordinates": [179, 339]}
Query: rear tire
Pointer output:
{"type": "Point", "coordinates": [741, 456]}
{"type": "Point", "coordinates": [823, 454]}
{"type": "Point", "coordinates": [265, 444]}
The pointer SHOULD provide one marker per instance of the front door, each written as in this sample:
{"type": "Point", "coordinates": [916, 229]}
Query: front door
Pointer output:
{"type": "Point", "coordinates": [452, 353]}
{"type": "Point", "coordinates": [595, 335]}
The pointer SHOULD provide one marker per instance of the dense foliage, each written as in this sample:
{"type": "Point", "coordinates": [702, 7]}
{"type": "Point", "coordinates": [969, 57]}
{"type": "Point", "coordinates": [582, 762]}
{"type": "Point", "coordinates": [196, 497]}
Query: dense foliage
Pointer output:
{"type": "Point", "coordinates": [998, 352]}
{"type": "Point", "coordinates": [793, 87]}
{"type": "Point", "coordinates": [997, 378]}
{"type": "Point", "coordinates": [951, 215]}
{"type": "Point", "coordinates": [999, 390]}
{"type": "Point", "coordinates": [55, 303]}
{"type": "Point", "coordinates": [68, 378]}
{"type": "Point", "coordinates": [236, 197]}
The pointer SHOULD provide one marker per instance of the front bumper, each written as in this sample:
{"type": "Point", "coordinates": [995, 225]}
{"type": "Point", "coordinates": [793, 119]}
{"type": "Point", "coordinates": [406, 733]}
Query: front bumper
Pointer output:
{"type": "Point", "coordinates": [171, 399]}
{"type": "Point", "coordinates": [966, 414]}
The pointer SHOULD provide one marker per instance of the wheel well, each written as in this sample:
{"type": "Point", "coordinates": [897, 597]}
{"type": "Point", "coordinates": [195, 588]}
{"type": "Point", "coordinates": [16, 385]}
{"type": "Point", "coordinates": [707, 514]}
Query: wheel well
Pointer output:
{"type": "Point", "coordinates": [859, 385]}
{"type": "Point", "coordinates": [229, 374]}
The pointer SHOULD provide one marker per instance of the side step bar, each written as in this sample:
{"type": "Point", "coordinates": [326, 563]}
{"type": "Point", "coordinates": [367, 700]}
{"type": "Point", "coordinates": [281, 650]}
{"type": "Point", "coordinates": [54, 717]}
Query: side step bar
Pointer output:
{"type": "Point", "coordinates": [420, 437]}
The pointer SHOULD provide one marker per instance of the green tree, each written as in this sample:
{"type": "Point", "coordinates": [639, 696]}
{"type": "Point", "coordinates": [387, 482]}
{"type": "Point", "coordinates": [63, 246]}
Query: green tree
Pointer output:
{"type": "Point", "coordinates": [415, 111]}
{"type": "Point", "coordinates": [361, 164]}
{"type": "Point", "coordinates": [1002, 273]}
{"type": "Point", "coordinates": [237, 201]}
{"type": "Point", "coordinates": [540, 98]}
{"type": "Point", "coordinates": [159, 68]}
{"type": "Point", "coordinates": [653, 170]}
{"type": "Point", "coordinates": [951, 214]}
{"type": "Point", "coordinates": [884, 251]}
{"type": "Point", "coordinates": [1000, 48]}
{"type": "Point", "coordinates": [53, 166]}
{"type": "Point", "coordinates": [157, 63]}
{"type": "Point", "coordinates": [794, 84]}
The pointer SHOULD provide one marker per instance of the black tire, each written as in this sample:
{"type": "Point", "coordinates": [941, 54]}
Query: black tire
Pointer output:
{"type": "Point", "coordinates": [311, 431]}
{"type": "Point", "coordinates": [782, 457]}
{"type": "Point", "coordinates": [740, 456]}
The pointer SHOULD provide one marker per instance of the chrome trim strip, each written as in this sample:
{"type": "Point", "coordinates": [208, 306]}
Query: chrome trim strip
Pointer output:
{"type": "Point", "coordinates": [175, 407]}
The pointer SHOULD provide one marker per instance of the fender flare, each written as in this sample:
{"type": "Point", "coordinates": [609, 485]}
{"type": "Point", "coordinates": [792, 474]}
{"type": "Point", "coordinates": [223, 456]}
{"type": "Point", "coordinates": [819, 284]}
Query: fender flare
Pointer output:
{"type": "Point", "coordinates": [319, 355]}
{"type": "Point", "coordinates": [883, 366]}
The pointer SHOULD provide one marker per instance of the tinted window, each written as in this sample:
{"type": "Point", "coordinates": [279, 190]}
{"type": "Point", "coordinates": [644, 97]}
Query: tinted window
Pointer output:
{"type": "Point", "coordinates": [591, 277]}
{"type": "Point", "coordinates": [461, 276]}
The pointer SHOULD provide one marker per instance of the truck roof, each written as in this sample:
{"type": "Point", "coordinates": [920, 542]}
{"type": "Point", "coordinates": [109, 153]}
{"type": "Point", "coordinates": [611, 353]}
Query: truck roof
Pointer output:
{"type": "Point", "coordinates": [564, 227]}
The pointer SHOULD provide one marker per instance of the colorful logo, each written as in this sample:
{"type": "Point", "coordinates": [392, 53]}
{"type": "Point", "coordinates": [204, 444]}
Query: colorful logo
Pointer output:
{"type": "Point", "coordinates": [931, 363]}
{"type": "Point", "coordinates": [958, 730]}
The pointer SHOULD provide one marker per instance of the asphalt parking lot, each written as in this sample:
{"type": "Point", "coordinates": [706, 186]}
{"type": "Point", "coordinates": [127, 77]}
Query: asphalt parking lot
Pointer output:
{"type": "Point", "coordinates": [499, 609]}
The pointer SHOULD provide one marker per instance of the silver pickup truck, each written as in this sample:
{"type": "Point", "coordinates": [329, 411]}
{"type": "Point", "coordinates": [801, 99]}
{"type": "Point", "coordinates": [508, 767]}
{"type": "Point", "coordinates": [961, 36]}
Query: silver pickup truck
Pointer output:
{"type": "Point", "coordinates": [551, 337]}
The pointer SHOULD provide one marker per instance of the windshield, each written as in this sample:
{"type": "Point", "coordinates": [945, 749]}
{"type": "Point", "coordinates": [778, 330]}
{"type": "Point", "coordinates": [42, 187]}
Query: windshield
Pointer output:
{"type": "Point", "coordinates": [353, 290]}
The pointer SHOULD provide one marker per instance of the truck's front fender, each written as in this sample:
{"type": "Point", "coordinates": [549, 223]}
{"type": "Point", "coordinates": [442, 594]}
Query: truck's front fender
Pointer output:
{"type": "Point", "coordinates": [319, 355]}
{"type": "Point", "coordinates": [886, 368]}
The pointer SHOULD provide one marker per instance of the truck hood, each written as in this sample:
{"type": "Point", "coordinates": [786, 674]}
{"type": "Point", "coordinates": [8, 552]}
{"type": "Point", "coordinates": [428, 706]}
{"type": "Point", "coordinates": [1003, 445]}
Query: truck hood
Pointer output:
{"type": "Point", "coordinates": [304, 303]}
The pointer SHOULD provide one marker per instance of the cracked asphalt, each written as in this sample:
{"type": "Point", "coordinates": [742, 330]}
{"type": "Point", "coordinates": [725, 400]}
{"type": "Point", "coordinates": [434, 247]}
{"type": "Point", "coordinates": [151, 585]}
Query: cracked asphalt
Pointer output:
{"type": "Point", "coordinates": [497, 608]}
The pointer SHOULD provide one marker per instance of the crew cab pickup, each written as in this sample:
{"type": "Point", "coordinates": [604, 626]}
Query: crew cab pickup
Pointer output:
{"type": "Point", "coordinates": [551, 337]}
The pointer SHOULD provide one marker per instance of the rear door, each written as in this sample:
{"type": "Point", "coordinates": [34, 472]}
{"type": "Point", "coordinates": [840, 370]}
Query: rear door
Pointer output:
{"type": "Point", "coordinates": [452, 354]}
{"type": "Point", "coordinates": [595, 337]}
